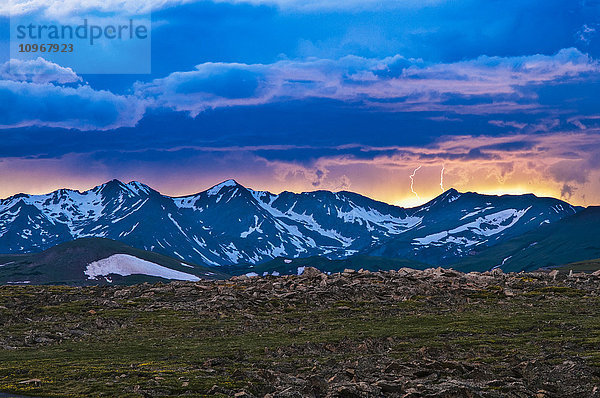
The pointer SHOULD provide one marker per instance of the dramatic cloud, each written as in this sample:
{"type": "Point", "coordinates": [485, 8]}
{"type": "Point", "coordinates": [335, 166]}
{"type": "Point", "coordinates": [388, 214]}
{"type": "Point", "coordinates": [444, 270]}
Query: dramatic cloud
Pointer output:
{"type": "Point", "coordinates": [32, 104]}
{"type": "Point", "coordinates": [517, 163]}
{"type": "Point", "coordinates": [550, 165]}
{"type": "Point", "coordinates": [485, 84]}
{"type": "Point", "coordinates": [41, 93]}
{"type": "Point", "coordinates": [211, 85]}
{"type": "Point", "coordinates": [37, 71]}
{"type": "Point", "coordinates": [481, 86]}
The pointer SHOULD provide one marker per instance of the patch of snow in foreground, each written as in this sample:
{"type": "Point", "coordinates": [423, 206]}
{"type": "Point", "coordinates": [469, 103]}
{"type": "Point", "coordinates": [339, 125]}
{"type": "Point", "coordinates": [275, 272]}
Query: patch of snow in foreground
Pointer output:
{"type": "Point", "coordinates": [125, 265]}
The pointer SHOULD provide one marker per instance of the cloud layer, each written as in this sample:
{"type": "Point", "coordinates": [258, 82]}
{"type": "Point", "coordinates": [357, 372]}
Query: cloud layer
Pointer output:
{"type": "Point", "coordinates": [30, 104]}
{"type": "Point", "coordinates": [480, 86]}
{"type": "Point", "coordinates": [394, 83]}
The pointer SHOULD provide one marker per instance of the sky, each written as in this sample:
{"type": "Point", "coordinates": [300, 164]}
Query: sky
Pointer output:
{"type": "Point", "coordinates": [396, 100]}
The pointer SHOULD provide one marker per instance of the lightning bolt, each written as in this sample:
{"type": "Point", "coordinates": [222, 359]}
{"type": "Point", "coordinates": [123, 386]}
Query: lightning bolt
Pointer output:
{"type": "Point", "coordinates": [442, 177]}
{"type": "Point", "coordinates": [412, 181]}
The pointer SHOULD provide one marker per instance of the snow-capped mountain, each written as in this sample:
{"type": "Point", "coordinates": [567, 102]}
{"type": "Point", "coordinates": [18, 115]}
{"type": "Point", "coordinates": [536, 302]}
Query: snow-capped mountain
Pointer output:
{"type": "Point", "coordinates": [230, 224]}
{"type": "Point", "coordinates": [456, 225]}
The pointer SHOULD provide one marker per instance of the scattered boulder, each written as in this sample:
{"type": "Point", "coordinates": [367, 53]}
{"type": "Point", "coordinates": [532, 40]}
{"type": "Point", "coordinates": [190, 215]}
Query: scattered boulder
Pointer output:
{"type": "Point", "coordinates": [312, 272]}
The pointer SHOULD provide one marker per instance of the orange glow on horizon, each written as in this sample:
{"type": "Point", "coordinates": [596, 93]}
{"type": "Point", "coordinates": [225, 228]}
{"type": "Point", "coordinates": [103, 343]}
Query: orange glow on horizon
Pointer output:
{"type": "Point", "coordinates": [550, 168]}
{"type": "Point", "coordinates": [403, 199]}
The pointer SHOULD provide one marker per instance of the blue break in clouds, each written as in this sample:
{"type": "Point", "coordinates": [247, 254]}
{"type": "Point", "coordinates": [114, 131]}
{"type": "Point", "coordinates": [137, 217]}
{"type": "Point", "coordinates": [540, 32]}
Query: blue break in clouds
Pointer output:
{"type": "Point", "coordinates": [582, 95]}
{"type": "Point", "coordinates": [448, 32]}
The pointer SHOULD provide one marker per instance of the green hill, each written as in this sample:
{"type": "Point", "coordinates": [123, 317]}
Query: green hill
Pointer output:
{"type": "Point", "coordinates": [583, 266]}
{"type": "Point", "coordinates": [67, 262]}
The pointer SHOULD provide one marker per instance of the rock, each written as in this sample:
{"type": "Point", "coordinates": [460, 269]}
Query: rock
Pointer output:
{"type": "Point", "coordinates": [389, 386]}
{"type": "Point", "coordinates": [35, 382]}
{"type": "Point", "coordinates": [243, 394]}
{"type": "Point", "coordinates": [311, 272]}
{"type": "Point", "coordinates": [215, 389]}
{"type": "Point", "coordinates": [347, 391]}
{"type": "Point", "coordinates": [345, 363]}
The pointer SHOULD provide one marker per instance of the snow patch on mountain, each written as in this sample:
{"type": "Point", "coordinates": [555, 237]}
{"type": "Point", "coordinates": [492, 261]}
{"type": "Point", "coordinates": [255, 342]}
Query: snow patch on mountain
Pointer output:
{"type": "Point", "coordinates": [217, 188]}
{"type": "Point", "coordinates": [477, 211]}
{"type": "Point", "coordinates": [255, 228]}
{"type": "Point", "coordinates": [394, 225]}
{"type": "Point", "coordinates": [488, 225]}
{"type": "Point", "coordinates": [125, 265]}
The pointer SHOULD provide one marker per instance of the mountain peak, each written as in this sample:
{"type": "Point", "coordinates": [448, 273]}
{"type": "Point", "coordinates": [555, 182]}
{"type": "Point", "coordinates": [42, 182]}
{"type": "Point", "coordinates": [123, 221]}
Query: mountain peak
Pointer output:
{"type": "Point", "coordinates": [112, 184]}
{"type": "Point", "coordinates": [138, 187]}
{"type": "Point", "coordinates": [450, 195]}
{"type": "Point", "coordinates": [225, 184]}
{"type": "Point", "coordinates": [132, 188]}
{"type": "Point", "coordinates": [450, 191]}
{"type": "Point", "coordinates": [229, 183]}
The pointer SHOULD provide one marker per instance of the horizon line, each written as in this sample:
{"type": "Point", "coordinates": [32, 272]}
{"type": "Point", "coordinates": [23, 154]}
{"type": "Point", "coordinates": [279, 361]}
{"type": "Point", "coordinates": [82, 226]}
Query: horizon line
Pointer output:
{"type": "Point", "coordinates": [483, 193]}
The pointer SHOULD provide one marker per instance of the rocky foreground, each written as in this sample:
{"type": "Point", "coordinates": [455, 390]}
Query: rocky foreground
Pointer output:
{"type": "Point", "coordinates": [433, 333]}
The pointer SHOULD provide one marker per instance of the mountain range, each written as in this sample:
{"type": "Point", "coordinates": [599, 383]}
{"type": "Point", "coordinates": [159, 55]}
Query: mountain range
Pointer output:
{"type": "Point", "coordinates": [229, 225]}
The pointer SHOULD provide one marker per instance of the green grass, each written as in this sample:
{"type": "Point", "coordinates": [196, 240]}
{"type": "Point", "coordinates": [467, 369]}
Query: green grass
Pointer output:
{"type": "Point", "coordinates": [582, 266]}
{"type": "Point", "coordinates": [176, 352]}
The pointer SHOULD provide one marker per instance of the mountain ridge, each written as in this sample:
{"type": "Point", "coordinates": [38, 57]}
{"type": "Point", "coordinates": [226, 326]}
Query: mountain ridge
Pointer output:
{"type": "Point", "coordinates": [230, 224]}
{"type": "Point", "coordinates": [572, 239]}
{"type": "Point", "coordinates": [143, 186]}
